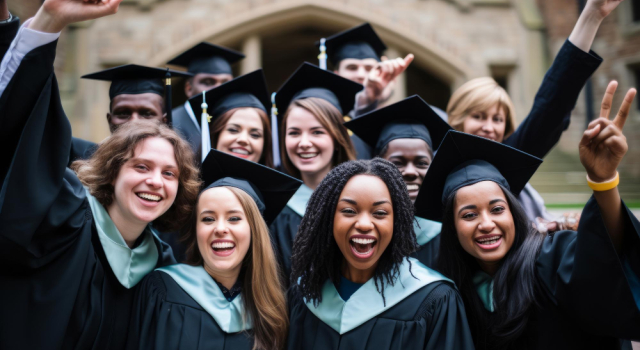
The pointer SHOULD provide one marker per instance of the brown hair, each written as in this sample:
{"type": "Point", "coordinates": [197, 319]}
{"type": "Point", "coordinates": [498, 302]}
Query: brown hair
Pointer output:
{"type": "Point", "coordinates": [263, 299]}
{"type": "Point", "coordinates": [101, 170]}
{"type": "Point", "coordinates": [331, 119]}
{"type": "Point", "coordinates": [219, 124]}
{"type": "Point", "coordinates": [480, 94]}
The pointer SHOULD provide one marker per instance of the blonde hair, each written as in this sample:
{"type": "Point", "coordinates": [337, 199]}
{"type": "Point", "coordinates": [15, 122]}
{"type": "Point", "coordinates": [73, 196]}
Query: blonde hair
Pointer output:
{"type": "Point", "coordinates": [480, 94]}
{"type": "Point", "coordinates": [263, 298]}
{"type": "Point", "coordinates": [101, 170]}
{"type": "Point", "coordinates": [330, 119]}
{"type": "Point", "coordinates": [219, 124]}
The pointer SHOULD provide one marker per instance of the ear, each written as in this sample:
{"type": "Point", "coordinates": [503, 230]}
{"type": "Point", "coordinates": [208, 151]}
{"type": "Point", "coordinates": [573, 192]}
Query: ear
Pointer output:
{"type": "Point", "coordinates": [164, 118]}
{"type": "Point", "coordinates": [112, 127]}
{"type": "Point", "coordinates": [188, 88]}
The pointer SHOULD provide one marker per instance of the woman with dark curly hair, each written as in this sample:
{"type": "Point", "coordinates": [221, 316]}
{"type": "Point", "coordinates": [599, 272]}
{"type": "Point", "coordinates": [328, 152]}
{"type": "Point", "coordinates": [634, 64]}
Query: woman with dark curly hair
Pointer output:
{"type": "Point", "coordinates": [73, 247]}
{"type": "Point", "coordinates": [354, 285]}
{"type": "Point", "coordinates": [228, 294]}
{"type": "Point", "coordinates": [313, 140]}
{"type": "Point", "coordinates": [524, 289]}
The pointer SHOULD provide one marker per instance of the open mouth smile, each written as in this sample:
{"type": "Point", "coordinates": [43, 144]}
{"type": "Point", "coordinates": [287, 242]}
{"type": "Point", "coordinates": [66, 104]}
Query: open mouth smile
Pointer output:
{"type": "Point", "coordinates": [362, 246]}
{"type": "Point", "coordinates": [223, 248]}
{"type": "Point", "coordinates": [489, 242]}
{"type": "Point", "coordinates": [149, 196]}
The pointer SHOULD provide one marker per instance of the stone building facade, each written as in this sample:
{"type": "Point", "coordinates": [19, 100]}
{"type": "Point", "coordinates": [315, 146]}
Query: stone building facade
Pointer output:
{"type": "Point", "coordinates": [453, 41]}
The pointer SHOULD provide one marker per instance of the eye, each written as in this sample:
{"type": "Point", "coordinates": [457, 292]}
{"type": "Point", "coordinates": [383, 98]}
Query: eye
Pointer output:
{"type": "Point", "coordinates": [469, 215]}
{"type": "Point", "coordinates": [234, 219]}
{"type": "Point", "coordinates": [318, 132]}
{"type": "Point", "coordinates": [397, 163]}
{"type": "Point", "coordinates": [423, 163]}
{"type": "Point", "coordinates": [348, 211]}
{"type": "Point", "coordinates": [256, 135]}
{"type": "Point", "coordinates": [498, 119]}
{"type": "Point", "coordinates": [169, 173]}
{"type": "Point", "coordinates": [232, 130]}
{"type": "Point", "coordinates": [142, 167]}
{"type": "Point", "coordinates": [293, 133]}
{"type": "Point", "coordinates": [208, 219]}
{"type": "Point", "coordinates": [380, 213]}
{"type": "Point", "coordinates": [498, 209]}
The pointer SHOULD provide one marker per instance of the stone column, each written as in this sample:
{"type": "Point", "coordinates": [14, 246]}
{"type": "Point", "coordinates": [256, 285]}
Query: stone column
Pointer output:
{"type": "Point", "coordinates": [252, 48]}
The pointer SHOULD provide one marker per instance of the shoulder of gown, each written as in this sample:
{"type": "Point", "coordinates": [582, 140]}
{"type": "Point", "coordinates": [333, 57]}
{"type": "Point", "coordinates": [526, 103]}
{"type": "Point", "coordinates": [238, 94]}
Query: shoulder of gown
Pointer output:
{"type": "Point", "coordinates": [185, 127]}
{"type": "Point", "coordinates": [584, 275]}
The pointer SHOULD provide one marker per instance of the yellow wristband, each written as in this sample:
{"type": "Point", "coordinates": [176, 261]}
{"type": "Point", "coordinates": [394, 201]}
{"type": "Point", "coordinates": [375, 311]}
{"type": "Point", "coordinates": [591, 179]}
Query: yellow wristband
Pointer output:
{"type": "Point", "coordinates": [604, 186]}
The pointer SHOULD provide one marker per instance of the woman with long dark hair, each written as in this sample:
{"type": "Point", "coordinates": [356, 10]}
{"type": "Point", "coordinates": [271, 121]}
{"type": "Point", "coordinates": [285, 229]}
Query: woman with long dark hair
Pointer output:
{"type": "Point", "coordinates": [407, 133]}
{"type": "Point", "coordinates": [228, 294]}
{"type": "Point", "coordinates": [354, 285]}
{"type": "Point", "coordinates": [313, 141]}
{"type": "Point", "coordinates": [527, 290]}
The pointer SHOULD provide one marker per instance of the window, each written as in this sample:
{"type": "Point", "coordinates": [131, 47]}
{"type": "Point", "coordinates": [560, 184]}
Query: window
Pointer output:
{"type": "Point", "coordinates": [501, 74]}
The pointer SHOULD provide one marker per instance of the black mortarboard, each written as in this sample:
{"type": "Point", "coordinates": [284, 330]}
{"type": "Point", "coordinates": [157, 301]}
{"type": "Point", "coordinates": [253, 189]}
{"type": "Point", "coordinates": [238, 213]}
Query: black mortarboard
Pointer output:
{"type": "Point", "coordinates": [465, 159]}
{"type": "Point", "coordinates": [310, 81]}
{"type": "Point", "coordinates": [270, 189]}
{"type": "Point", "coordinates": [132, 79]}
{"type": "Point", "coordinates": [411, 118]}
{"type": "Point", "coordinates": [249, 90]}
{"type": "Point", "coordinates": [208, 58]}
{"type": "Point", "coordinates": [360, 42]}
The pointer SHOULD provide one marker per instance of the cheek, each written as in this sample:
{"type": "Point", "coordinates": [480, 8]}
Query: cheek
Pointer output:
{"type": "Point", "coordinates": [243, 236]}
{"type": "Point", "coordinates": [325, 143]}
{"type": "Point", "coordinates": [202, 236]}
{"type": "Point", "coordinates": [224, 139]}
{"type": "Point", "coordinates": [470, 125]}
{"type": "Point", "coordinates": [422, 173]}
{"type": "Point", "coordinates": [465, 235]}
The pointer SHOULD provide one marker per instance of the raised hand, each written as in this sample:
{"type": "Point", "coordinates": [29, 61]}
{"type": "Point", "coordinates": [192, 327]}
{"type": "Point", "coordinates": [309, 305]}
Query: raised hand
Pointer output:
{"type": "Point", "coordinates": [602, 7]}
{"type": "Point", "coordinates": [54, 15]}
{"type": "Point", "coordinates": [384, 73]}
{"type": "Point", "coordinates": [603, 145]}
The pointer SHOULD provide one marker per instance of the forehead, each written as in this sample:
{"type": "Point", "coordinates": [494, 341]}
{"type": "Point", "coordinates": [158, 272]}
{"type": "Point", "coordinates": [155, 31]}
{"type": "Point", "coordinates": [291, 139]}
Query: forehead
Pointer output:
{"type": "Point", "coordinates": [359, 62]}
{"type": "Point", "coordinates": [366, 188]}
{"type": "Point", "coordinates": [157, 150]}
{"type": "Point", "coordinates": [222, 76]}
{"type": "Point", "coordinates": [407, 148]}
{"type": "Point", "coordinates": [146, 100]}
{"type": "Point", "coordinates": [301, 118]}
{"type": "Point", "coordinates": [479, 193]}
{"type": "Point", "coordinates": [246, 116]}
{"type": "Point", "coordinates": [219, 199]}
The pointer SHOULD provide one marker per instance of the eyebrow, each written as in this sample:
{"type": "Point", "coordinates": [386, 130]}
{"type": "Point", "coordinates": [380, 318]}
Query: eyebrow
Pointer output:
{"type": "Point", "coordinates": [209, 211]}
{"type": "Point", "coordinates": [497, 200]}
{"type": "Point", "coordinates": [375, 204]}
{"type": "Point", "coordinates": [144, 160]}
{"type": "Point", "coordinates": [467, 207]}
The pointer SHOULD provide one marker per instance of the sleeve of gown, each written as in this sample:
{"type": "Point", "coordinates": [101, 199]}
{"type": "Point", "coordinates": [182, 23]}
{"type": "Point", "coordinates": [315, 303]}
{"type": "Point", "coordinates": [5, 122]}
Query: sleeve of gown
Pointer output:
{"type": "Point", "coordinates": [147, 300]}
{"type": "Point", "coordinates": [584, 275]}
{"type": "Point", "coordinates": [447, 323]}
{"type": "Point", "coordinates": [8, 31]}
{"type": "Point", "coordinates": [550, 115]}
{"type": "Point", "coordinates": [40, 200]}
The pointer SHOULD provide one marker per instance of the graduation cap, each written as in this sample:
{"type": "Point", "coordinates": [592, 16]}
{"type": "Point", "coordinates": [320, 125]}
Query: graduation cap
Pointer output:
{"type": "Point", "coordinates": [132, 79]}
{"type": "Point", "coordinates": [360, 42]}
{"type": "Point", "coordinates": [464, 160]}
{"type": "Point", "coordinates": [411, 118]}
{"type": "Point", "coordinates": [207, 58]}
{"type": "Point", "coordinates": [249, 90]}
{"type": "Point", "coordinates": [270, 189]}
{"type": "Point", "coordinates": [310, 81]}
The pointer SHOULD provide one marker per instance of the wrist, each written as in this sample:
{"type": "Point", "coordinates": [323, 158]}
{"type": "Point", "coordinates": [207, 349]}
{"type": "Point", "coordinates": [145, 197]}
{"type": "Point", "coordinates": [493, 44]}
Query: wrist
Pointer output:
{"type": "Point", "coordinates": [592, 15]}
{"type": "Point", "coordinates": [600, 185]}
{"type": "Point", "coordinates": [46, 23]}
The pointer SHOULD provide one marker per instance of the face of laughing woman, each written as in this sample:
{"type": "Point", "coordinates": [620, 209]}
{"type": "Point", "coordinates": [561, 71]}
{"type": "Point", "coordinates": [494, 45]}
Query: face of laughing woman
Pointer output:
{"type": "Point", "coordinates": [363, 226]}
{"type": "Point", "coordinates": [243, 136]}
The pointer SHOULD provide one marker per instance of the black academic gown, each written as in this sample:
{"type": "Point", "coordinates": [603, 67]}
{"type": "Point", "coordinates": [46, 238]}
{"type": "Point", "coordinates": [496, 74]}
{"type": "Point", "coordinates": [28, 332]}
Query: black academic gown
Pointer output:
{"type": "Point", "coordinates": [283, 231]}
{"type": "Point", "coordinates": [58, 288]}
{"type": "Point", "coordinates": [184, 125]}
{"type": "Point", "coordinates": [431, 318]}
{"type": "Point", "coordinates": [166, 317]}
{"type": "Point", "coordinates": [81, 149]}
{"type": "Point", "coordinates": [586, 299]}
{"type": "Point", "coordinates": [428, 253]}
{"type": "Point", "coordinates": [8, 31]}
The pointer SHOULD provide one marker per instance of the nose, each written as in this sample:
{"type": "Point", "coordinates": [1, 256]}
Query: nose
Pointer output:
{"type": "Point", "coordinates": [362, 73]}
{"type": "Point", "coordinates": [304, 141]}
{"type": "Point", "coordinates": [221, 228]}
{"type": "Point", "coordinates": [364, 223]}
{"type": "Point", "coordinates": [410, 172]}
{"type": "Point", "coordinates": [135, 116]}
{"type": "Point", "coordinates": [487, 126]}
{"type": "Point", "coordinates": [155, 179]}
{"type": "Point", "coordinates": [243, 138]}
{"type": "Point", "coordinates": [486, 223]}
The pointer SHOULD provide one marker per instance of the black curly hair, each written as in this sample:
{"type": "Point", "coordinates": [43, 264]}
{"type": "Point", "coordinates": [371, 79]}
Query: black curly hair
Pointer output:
{"type": "Point", "coordinates": [316, 256]}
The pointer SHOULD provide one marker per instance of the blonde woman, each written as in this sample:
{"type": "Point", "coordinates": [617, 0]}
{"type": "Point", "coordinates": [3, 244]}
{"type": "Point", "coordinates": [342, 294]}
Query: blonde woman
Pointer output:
{"type": "Point", "coordinates": [228, 295]}
{"type": "Point", "coordinates": [481, 107]}
{"type": "Point", "coordinates": [312, 141]}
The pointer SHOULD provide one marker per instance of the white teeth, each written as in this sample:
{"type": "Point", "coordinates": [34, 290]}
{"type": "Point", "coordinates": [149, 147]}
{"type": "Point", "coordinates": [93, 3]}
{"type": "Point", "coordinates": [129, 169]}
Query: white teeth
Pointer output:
{"type": "Point", "coordinates": [240, 151]}
{"type": "Point", "coordinates": [413, 187]}
{"type": "Point", "coordinates": [150, 197]}
{"type": "Point", "coordinates": [362, 240]}
{"type": "Point", "coordinates": [308, 155]}
{"type": "Point", "coordinates": [365, 253]}
{"type": "Point", "coordinates": [222, 245]}
{"type": "Point", "coordinates": [490, 240]}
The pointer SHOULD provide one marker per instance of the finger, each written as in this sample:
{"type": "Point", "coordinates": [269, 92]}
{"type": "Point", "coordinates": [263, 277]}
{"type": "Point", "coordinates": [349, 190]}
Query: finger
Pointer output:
{"type": "Point", "coordinates": [601, 121]}
{"type": "Point", "coordinates": [384, 58]}
{"type": "Point", "coordinates": [623, 113]}
{"type": "Point", "coordinates": [617, 145]}
{"type": "Point", "coordinates": [408, 59]}
{"type": "Point", "coordinates": [606, 133]}
{"type": "Point", "coordinates": [588, 135]}
{"type": "Point", "coordinates": [607, 100]}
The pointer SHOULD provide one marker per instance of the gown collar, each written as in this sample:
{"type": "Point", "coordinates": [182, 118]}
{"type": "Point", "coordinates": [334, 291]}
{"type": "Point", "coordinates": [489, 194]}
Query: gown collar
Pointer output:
{"type": "Point", "coordinates": [200, 286]}
{"type": "Point", "coordinates": [128, 265]}
{"type": "Point", "coordinates": [366, 303]}
{"type": "Point", "coordinates": [484, 288]}
{"type": "Point", "coordinates": [426, 230]}
{"type": "Point", "coordinates": [298, 203]}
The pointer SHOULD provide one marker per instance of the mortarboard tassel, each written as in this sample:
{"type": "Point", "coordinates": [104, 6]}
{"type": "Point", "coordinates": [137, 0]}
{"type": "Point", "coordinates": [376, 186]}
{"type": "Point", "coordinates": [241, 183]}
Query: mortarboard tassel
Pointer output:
{"type": "Point", "coordinates": [275, 144]}
{"type": "Point", "coordinates": [322, 57]}
{"type": "Point", "coordinates": [167, 97]}
{"type": "Point", "coordinates": [205, 119]}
